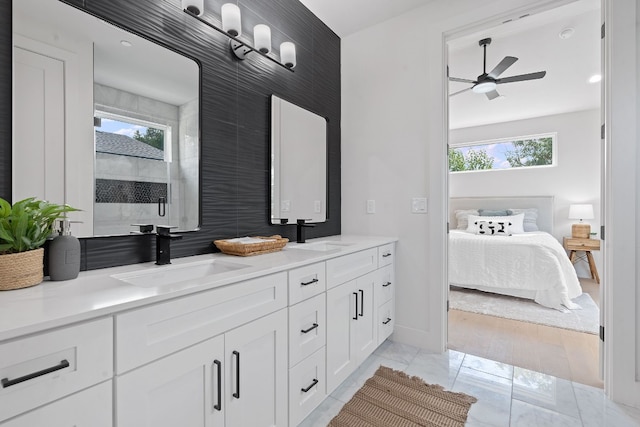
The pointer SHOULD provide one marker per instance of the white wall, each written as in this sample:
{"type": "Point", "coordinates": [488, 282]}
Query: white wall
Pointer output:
{"type": "Point", "coordinates": [574, 179]}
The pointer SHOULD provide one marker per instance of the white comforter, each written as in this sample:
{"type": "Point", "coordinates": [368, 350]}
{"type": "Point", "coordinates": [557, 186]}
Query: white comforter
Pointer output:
{"type": "Point", "coordinates": [533, 262]}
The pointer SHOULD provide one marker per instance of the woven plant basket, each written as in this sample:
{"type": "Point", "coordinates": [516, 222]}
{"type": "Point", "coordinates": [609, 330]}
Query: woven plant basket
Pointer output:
{"type": "Point", "coordinates": [21, 270]}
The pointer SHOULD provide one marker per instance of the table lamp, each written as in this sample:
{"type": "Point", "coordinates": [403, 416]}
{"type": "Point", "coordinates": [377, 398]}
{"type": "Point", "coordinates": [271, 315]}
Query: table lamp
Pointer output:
{"type": "Point", "coordinates": [581, 230]}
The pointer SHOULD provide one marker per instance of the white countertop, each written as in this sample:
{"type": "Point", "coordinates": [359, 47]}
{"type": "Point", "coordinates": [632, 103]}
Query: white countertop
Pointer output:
{"type": "Point", "coordinates": [96, 293]}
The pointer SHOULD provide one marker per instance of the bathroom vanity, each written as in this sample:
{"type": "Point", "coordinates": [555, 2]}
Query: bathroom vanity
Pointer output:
{"type": "Point", "coordinates": [210, 340]}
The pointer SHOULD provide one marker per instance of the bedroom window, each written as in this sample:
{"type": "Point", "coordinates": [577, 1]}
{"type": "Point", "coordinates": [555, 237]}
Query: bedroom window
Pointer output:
{"type": "Point", "coordinates": [507, 153]}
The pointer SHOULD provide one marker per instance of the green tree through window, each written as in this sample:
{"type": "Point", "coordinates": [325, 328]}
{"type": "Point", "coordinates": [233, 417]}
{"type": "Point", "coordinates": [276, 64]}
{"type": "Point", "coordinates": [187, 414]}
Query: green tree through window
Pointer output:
{"type": "Point", "coordinates": [153, 137]}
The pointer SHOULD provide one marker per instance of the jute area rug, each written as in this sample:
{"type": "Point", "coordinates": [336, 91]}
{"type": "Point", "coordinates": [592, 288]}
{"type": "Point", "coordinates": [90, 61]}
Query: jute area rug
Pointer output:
{"type": "Point", "coordinates": [391, 398]}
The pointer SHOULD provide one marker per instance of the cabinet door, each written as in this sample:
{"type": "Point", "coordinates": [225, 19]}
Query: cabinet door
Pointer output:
{"type": "Point", "coordinates": [341, 348]}
{"type": "Point", "coordinates": [366, 331]}
{"type": "Point", "coordinates": [89, 408]}
{"type": "Point", "coordinates": [256, 371]}
{"type": "Point", "coordinates": [179, 390]}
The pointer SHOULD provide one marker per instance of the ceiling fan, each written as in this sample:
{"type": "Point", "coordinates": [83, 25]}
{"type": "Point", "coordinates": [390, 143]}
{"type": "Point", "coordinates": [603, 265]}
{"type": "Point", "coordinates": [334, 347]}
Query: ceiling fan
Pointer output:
{"type": "Point", "coordinates": [486, 82]}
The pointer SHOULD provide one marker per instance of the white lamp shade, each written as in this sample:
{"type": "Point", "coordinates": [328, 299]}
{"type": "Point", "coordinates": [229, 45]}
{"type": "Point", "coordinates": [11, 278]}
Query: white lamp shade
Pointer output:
{"type": "Point", "coordinates": [231, 23]}
{"type": "Point", "coordinates": [484, 87]}
{"type": "Point", "coordinates": [262, 38]}
{"type": "Point", "coordinates": [288, 54]}
{"type": "Point", "coordinates": [581, 212]}
{"type": "Point", "coordinates": [194, 6]}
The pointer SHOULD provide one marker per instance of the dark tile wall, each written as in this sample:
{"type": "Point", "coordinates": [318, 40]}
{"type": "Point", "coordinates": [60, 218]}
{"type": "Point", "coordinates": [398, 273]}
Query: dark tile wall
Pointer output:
{"type": "Point", "coordinates": [235, 108]}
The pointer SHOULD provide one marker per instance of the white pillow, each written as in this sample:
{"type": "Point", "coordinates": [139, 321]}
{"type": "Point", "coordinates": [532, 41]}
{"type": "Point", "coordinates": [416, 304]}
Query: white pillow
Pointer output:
{"type": "Point", "coordinates": [462, 216]}
{"type": "Point", "coordinates": [494, 228]}
{"type": "Point", "coordinates": [515, 227]}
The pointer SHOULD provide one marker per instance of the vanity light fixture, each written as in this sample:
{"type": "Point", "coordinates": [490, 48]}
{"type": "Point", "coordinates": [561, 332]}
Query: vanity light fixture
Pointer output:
{"type": "Point", "coordinates": [232, 28]}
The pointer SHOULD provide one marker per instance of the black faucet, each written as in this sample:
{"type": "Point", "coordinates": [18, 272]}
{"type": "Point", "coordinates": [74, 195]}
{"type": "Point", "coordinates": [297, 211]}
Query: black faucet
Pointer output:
{"type": "Point", "coordinates": [300, 226]}
{"type": "Point", "coordinates": [163, 244]}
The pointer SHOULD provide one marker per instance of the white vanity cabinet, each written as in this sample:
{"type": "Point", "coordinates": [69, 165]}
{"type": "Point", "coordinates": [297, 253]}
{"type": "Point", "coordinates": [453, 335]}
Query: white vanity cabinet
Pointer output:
{"type": "Point", "coordinates": [42, 368]}
{"type": "Point", "coordinates": [235, 379]}
{"type": "Point", "coordinates": [385, 301]}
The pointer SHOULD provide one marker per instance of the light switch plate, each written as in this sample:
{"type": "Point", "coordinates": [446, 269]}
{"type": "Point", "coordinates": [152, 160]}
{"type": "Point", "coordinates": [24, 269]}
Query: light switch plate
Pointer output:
{"type": "Point", "coordinates": [371, 206]}
{"type": "Point", "coordinates": [419, 205]}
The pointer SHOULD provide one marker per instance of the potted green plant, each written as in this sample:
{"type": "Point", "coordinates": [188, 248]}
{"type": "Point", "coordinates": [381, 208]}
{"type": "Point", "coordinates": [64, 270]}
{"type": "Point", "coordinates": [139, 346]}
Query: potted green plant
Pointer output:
{"type": "Point", "coordinates": [24, 228]}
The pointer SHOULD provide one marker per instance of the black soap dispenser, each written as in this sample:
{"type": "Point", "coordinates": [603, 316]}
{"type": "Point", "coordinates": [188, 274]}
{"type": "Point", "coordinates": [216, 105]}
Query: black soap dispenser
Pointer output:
{"type": "Point", "coordinates": [64, 254]}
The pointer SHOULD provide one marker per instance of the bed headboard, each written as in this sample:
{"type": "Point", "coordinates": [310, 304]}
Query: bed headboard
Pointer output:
{"type": "Point", "coordinates": [544, 204]}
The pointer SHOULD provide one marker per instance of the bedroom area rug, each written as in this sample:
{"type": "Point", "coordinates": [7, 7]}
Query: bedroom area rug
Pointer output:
{"type": "Point", "coordinates": [585, 320]}
{"type": "Point", "coordinates": [392, 398]}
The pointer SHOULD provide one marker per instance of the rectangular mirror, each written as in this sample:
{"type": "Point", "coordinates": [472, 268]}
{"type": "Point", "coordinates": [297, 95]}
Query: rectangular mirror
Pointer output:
{"type": "Point", "coordinates": [298, 164]}
{"type": "Point", "coordinates": [104, 120]}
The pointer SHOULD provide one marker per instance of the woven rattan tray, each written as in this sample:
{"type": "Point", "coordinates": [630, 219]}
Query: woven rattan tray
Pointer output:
{"type": "Point", "coordinates": [271, 244]}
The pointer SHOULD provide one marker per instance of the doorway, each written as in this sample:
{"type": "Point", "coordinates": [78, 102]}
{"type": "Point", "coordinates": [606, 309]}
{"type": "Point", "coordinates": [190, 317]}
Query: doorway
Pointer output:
{"type": "Point", "coordinates": [507, 117]}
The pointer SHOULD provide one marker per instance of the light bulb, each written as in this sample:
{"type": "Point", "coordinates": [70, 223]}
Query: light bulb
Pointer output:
{"type": "Point", "coordinates": [484, 87]}
{"type": "Point", "coordinates": [262, 38]}
{"type": "Point", "coordinates": [288, 54]}
{"type": "Point", "coordinates": [231, 23]}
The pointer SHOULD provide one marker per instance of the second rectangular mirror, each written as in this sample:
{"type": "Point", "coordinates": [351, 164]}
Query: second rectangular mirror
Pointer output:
{"type": "Point", "coordinates": [298, 164]}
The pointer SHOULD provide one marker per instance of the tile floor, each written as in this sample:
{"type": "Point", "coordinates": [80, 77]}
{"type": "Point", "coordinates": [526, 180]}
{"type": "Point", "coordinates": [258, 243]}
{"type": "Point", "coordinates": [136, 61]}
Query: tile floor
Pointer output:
{"type": "Point", "coordinates": [507, 395]}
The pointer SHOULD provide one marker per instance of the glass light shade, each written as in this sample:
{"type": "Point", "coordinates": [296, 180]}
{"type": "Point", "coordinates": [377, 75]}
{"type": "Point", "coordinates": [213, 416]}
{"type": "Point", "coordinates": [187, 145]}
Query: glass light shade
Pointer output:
{"type": "Point", "coordinates": [484, 87]}
{"type": "Point", "coordinates": [262, 38]}
{"type": "Point", "coordinates": [194, 6]}
{"type": "Point", "coordinates": [231, 23]}
{"type": "Point", "coordinates": [581, 212]}
{"type": "Point", "coordinates": [288, 54]}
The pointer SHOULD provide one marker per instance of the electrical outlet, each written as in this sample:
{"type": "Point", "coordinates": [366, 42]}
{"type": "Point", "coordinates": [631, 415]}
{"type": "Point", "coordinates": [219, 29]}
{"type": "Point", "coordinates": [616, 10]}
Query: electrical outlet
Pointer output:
{"type": "Point", "coordinates": [285, 206]}
{"type": "Point", "coordinates": [317, 206]}
{"type": "Point", "coordinates": [371, 206]}
{"type": "Point", "coordinates": [419, 205]}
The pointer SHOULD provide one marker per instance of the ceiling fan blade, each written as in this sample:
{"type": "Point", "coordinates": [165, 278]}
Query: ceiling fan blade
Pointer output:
{"type": "Point", "coordinates": [460, 91]}
{"type": "Point", "coordinates": [455, 79]}
{"type": "Point", "coordinates": [492, 95]}
{"type": "Point", "coordinates": [522, 77]}
{"type": "Point", "coordinates": [506, 62]}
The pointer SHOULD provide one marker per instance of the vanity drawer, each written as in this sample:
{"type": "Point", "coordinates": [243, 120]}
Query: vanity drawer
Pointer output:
{"type": "Point", "coordinates": [386, 320]}
{"type": "Point", "coordinates": [306, 282]}
{"type": "Point", "coordinates": [308, 375]}
{"type": "Point", "coordinates": [386, 254]}
{"type": "Point", "coordinates": [345, 268]}
{"type": "Point", "coordinates": [42, 368]}
{"type": "Point", "coordinates": [155, 331]}
{"type": "Point", "coordinates": [385, 285]}
{"type": "Point", "coordinates": [307, 328]}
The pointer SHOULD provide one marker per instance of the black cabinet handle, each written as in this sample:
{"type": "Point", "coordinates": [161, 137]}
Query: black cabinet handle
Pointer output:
{"type": "Point", "coordinates": [356, 317]}
{"type": "Point", "coordinates": [306, 331]}
{"type": "Point", "coordinates": [387, 321]}
{"type": "Point", "coordinates": [361, 302]}
{"type": "Point", "coordinates": [6, 382]}
{"type": "Point", "coordinates": [386, 255]}
{"type": "Point", "coordinates": [218, 406]}
{"type": "Point", "coordinates": [314, 382]}
{"type": "Point", "coordinates": [386, 284]}
{"type": "Point", "coordinates": [309, 282]}
{"type": "Point", "coordinates": [237, 392]}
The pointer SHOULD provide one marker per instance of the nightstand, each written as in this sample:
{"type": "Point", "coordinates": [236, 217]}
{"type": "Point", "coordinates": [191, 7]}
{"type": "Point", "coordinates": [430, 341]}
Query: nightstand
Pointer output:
{"type": "Point", "coordinates": [573, 244]}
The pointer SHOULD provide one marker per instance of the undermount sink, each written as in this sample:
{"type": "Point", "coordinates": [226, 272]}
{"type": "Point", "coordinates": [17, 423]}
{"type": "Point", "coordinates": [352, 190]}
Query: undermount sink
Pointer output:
{"type": "Point", "coordinates": [321, 246]}
{"type": "Point", "coordinates": [167, 275]}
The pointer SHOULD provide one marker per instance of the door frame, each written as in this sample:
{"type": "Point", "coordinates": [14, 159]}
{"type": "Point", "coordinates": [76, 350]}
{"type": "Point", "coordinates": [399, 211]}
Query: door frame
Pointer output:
{"type": "Point", "coordinates": [621, 346]}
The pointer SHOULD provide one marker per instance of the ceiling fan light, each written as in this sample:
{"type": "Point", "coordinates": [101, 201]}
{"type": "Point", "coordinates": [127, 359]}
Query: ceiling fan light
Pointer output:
{"type": "Point", "coordinates": [484, 87]}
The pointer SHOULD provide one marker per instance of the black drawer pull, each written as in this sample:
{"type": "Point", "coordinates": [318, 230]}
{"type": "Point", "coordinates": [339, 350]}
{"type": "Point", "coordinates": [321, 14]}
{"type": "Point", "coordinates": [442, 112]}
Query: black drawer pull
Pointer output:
{"type": "Point", "coordinates": [356, 316]}
{"type": "Point", "coordinates": [361, 303]}
{"type": "Point", "coordinates": [388, 254]}
{"type": "Point", "coordinates": [218, 406]}
{"type": "Point", "coordinates": [314, 382]}
{"type": "Point", "coordinates": [386, 284]}
{"type": "Point", "coordinates": [387, 321]}
{"type": "Point", "coordinates": [6, 382]}
{"type": "Point", "coordinates": [311, 282]}
{"type": "Point", "coordinates": [236, 394]}
{"type": "Point", "coordinates": [306, 331]}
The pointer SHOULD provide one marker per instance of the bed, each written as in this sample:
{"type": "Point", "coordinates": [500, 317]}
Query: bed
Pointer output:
{"type": "Point", "coordinates": [525, 263]}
